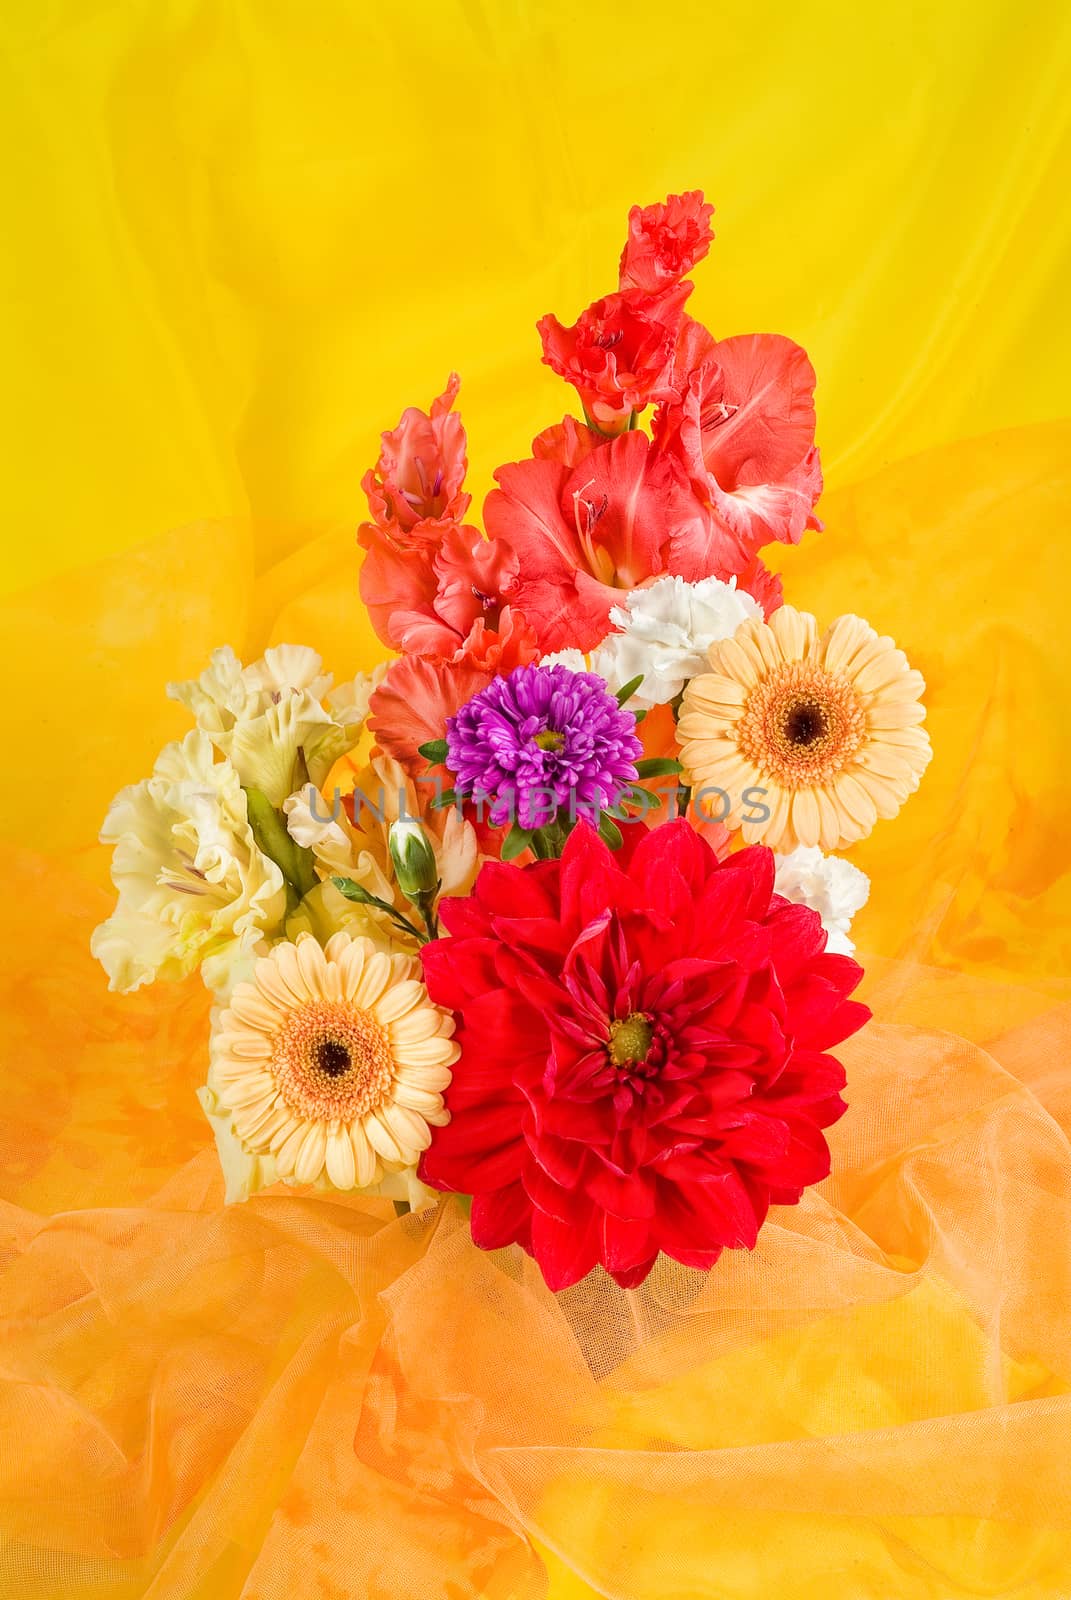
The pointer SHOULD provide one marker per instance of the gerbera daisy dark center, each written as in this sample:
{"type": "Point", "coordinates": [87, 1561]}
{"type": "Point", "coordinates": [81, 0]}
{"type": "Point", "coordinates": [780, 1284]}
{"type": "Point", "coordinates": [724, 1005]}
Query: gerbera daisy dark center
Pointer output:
{"type": "Point", "coordinates": [332, 1061]}
{"type": "Point", "coordinates": [332, 1058]}
{"type": "Point", "coordinates": [804, 723]}
{"type": "Point", "coordinates": [801, 724]}
{"type": "Point", "coordinates": [630, 1039]}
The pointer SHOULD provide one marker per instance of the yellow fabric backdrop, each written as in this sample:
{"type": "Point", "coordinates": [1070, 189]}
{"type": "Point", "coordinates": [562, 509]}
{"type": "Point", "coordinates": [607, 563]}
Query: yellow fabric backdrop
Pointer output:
{"type": "Point", "coordinates": [241, 237]}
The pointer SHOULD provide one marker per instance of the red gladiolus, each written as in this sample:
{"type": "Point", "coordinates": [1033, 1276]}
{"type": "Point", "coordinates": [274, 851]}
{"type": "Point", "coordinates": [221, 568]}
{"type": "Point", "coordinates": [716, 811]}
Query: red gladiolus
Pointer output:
{"type": "Point", "coordinates": [745, 431]}
{"type": "Point", "coordinates": [665, 241]}
{"type": "Point", "coordinates": [644, 1052]}
{"type": "Point", "coordinates": [416, 497]}
{"type": "Point", "coordinates": [411, 705]}
{"type": "Point", "coordinates": [619, 354]}
{"type": "Point", "coordinates": [435, 602]}
{"type": "Point", "coordinates": [421, 468]}
{"type": "Point", "coordinates": [584, 533]}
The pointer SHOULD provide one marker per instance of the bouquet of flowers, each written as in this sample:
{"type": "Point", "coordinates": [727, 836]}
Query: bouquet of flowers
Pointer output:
{"type": "Point", "coordinates": [545, 913]}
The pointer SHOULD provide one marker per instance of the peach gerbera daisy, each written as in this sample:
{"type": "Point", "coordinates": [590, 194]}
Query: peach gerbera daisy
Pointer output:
{"type": "Point", "coordinates": [333, 1061]}
{"type": "Point", "coordinates": [822, 734]}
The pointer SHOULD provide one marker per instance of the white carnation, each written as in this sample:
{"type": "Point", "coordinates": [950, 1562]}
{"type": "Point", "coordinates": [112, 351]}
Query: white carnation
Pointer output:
{"type": "Point", "coordinates": [575, 660]}
{"type": "Point", "coordinates": [665, 632]}
{"type": "Point", "coordinates": [834, 888]}
{"type": "Point", "coordinates": [194, 889]}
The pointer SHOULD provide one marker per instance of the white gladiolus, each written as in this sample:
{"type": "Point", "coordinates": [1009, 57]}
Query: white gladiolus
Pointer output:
{"type": "Point", "coordinates": [194, 889]}
{"type": "Point", "coordinates": [262, 716]}
{"type": "Point", "coordinates": [834, 888]}
{"type": "Point", "coordinates": [665, 632]}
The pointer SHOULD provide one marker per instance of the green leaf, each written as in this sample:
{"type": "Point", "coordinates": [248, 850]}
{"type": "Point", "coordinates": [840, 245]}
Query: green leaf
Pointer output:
{"type": "Point", "coordinates": [441, 801]}
{"type": "Point", "coordinates": [646, 799]}
{"type": "Point", "coordinates": [516, 840]}
{"type": "Point", "coordinates": [658, 767]}
{"type": "Point", "coordinates": [639, 715]}
{"type": "Point", "coordinates": [628, 690]}
{"type": "Point", "coordinates": [434, 751]}
{"type": "Point", "coordinates": [610, 833]}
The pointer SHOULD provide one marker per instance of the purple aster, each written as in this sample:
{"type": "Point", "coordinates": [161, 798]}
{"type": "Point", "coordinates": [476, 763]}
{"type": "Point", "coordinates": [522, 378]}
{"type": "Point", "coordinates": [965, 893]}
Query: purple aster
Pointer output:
{"type": "Point", "coordinates": [540, 739]}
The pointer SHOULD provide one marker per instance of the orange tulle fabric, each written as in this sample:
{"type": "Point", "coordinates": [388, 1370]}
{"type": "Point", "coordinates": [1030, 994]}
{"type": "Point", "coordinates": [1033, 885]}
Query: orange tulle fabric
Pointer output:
{"type": "Point", "coordinates": [305, 1396]}
{"type": "Point", "coordinates": [234, 264]}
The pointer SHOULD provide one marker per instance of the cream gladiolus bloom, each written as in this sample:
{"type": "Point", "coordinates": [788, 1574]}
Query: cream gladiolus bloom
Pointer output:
{"type": "Point", "coordinates": [270, 720]}
{"type": "Point", "coordinates": [194, 889]}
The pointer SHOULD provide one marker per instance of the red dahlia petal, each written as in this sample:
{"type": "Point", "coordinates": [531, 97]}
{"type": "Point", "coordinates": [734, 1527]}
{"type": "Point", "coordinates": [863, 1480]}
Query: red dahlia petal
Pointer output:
{"type": "Point", "coordinates": [806, 1160]}
{"type": "Point", "coordinates": [458, 973]}
{"type": "Point", "coordinates": [553, 1198]}
{"type": "Point", "coordinates": [502, 889]}
{"type": "Point", "coordinates": [626, 1245]}
{"type": "Point", "coordinates": [501, 1217]}
{"type": "Point", "coordinates": [713, 1210]}
{"type": "Point", "coordinates": [798, 938]}
{"type": "Point", "coordinates": [627, 1197]}
{"type": "Point", "coordinates": [566, 1251]}
{"type": "Point", "coordinates": [758, 1139]}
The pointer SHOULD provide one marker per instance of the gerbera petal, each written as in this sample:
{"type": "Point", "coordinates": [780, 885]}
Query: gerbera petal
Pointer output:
{"type": "Point", "coordinates": [339, 1159]}
{"type": "Point", "coordinates": [289, 1147]}
{"type": "Point", "coordinates": [884, 668]}
{"type": "Point", "coordinates": [426, 1101]}
{"type": "Point", "coordinates": [254, 1009]}
{"type": "Point", "coordinates": [247, 1047]}
{"type": "Point", "coordinates": [369, 975]}
{"type": "Point", "coordinates": [895, 714]}
{"type": "Point", "coordinates": [843, 639]}
{"type": "Point", "coordinates": [806, 818]}
{"type": "Point", "coordinates": [436, 1052]}
{"type": "Point", "coordinates": [398, 1000]}
{"type": "Point", "coordinates": [288, 969]}
{"type": "Point", "coordinates": [739, 665]}
{"type": "Point", "coordinates": [382, 1139]}
{"type": "Point", "coordinates": [856, 801]}
{"type": "Point", "coordinates": [250, 1089]}
{"type": "Point", "coordinates": [887, 797]}
{"type": "Point", "coordinates": [417, 1025]}
{"type": "Point", "coordinates": [256, 1125]}
{"type": "Point", "coordinates": [423, 1077]}
{"type": "Point", "coordinates": [829, 820]}
{"type": "Point", "coordinates": [311, 964]}
{"type": "Point", "coordinates": [408, 1128]}
{"type": "Point", "coordinates": [309, 1161]}
{"type": "Point", "coordinates": [795, 632]}
{"type": "Point", "coordinates": [364, 1157]}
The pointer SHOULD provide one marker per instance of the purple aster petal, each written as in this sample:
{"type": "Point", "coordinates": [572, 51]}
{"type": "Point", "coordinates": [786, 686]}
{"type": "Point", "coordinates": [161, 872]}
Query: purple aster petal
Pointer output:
{"type": "Point", "coordinates": [540, 739]}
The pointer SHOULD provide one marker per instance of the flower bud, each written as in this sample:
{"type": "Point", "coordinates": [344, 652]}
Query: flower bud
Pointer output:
{"type": "Point", "coordinates": [413, 857]}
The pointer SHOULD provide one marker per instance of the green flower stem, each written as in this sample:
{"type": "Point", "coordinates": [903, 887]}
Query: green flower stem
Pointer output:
{"type": "Point", "coordinates": [354, 891]}
{"type": "Point", "coordinates": [270, 833]}
{"type": "Point", "coordinates": [425, 904]}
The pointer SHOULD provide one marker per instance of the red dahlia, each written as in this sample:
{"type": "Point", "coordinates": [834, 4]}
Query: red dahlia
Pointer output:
{"type": "Point", "coordinates": [644, 1062]}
